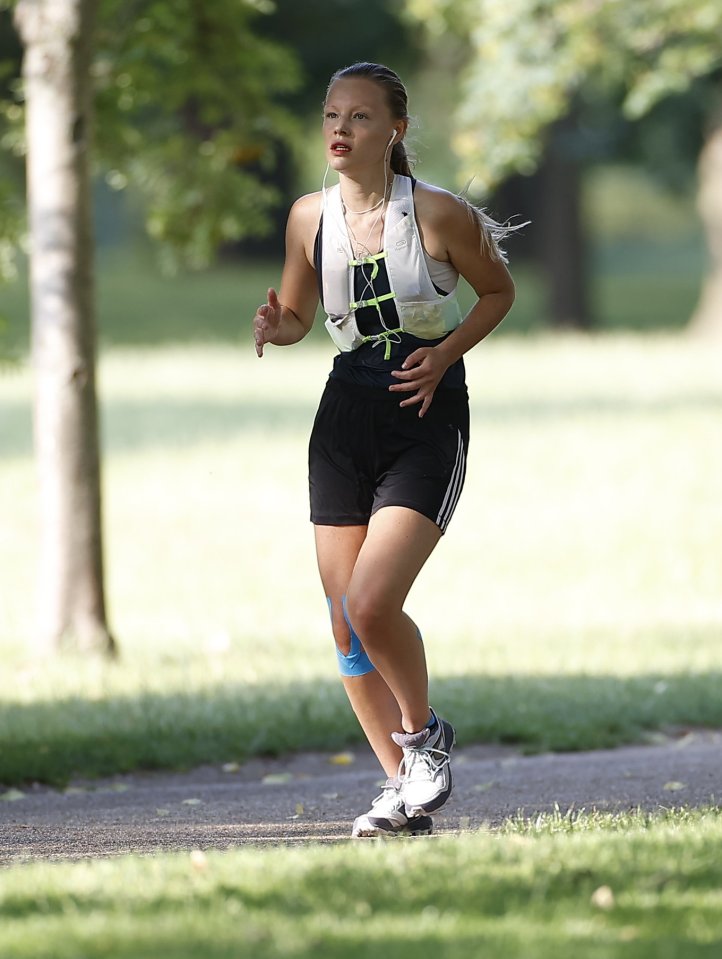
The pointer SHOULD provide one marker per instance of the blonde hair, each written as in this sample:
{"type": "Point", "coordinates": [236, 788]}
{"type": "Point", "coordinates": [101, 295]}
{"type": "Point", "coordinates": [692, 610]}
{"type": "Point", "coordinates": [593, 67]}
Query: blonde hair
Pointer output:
{"type": "Point", "coordinates": [492, 232]}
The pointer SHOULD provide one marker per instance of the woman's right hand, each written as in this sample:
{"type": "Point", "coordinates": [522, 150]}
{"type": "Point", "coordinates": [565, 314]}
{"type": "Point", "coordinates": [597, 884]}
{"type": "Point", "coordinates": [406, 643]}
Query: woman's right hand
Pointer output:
{"type": "Point", "coordinates": [267, 321]}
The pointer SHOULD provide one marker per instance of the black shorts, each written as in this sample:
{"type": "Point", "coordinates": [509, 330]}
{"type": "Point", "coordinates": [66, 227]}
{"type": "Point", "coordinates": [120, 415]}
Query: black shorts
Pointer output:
{"type": "Point", "coordinates": [366, 452]}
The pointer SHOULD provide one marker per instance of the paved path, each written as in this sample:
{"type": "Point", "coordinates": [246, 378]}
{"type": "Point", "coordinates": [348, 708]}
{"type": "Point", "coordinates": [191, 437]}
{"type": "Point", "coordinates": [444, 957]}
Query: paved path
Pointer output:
{"type": "Point", "coordinates": [309, 797]}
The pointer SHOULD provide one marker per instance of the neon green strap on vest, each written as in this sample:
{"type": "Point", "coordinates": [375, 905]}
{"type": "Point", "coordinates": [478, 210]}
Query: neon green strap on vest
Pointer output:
{"type": "Point", "coordinates": [386, 337]}
{"type": "Point", "coordinates": [374, 301]}
{"type": "Point", "coordinates": [373, 260]}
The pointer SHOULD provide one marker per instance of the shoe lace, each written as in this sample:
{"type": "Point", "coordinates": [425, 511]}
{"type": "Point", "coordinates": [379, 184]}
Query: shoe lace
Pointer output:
{"type": "Point", "coordinates": [426, 760]}
{"type": "Point", "coordinates": [389, 799]}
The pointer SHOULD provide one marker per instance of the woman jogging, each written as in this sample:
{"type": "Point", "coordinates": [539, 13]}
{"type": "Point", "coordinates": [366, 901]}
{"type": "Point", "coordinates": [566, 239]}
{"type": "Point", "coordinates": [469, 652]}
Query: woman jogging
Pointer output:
{"type": "Point", "coordinates": [387, 453]}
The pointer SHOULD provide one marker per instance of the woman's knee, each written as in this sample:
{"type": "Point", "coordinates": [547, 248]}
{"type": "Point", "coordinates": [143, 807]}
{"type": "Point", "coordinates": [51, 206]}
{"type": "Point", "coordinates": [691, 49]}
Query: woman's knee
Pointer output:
{"type": "Point", "coordinates": [368, 614]}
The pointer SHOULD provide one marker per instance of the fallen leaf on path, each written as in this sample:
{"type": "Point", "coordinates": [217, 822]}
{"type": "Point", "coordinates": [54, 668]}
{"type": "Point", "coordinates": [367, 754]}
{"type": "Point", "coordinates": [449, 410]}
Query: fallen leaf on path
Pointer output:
{"type": "Point", "coordinates": [192, 802]}
{"type": "Point", "coordinates": [342, 759]}
{"type": "Point", "coordinates": [230, 767]}
{"type": "Point", "coordinates": [74, 791]}
{"type": "Point", "coordinates": [12, 795]}
{"type": "Point", "coordinates": [673, 786]}
{"type": "Point", "coordinates": [330, 795]}
{"type": "Point", "coordinates": [274, 779]}
{"type": "Point", "coordinates": [162, 811]}
{"type": "Point", "coordinates": [299, 808]}
{"type": "Point", "coordinates": [115, 788]}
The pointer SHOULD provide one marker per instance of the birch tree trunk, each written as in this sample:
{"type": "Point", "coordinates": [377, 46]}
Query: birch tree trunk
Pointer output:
{"type": "Point", "coordinates": [707, 317]}
{"type": "Point", "coordinates": [57, 38]}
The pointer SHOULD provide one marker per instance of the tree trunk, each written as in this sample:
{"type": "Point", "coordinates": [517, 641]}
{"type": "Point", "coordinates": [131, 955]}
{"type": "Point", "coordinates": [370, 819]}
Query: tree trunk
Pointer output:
{"type": "Point", "coordinates": [57, 37]}
{"type": "Point", "coordinates": [563, 248]}
{"type": "Point", "coordinates": [707, 317]}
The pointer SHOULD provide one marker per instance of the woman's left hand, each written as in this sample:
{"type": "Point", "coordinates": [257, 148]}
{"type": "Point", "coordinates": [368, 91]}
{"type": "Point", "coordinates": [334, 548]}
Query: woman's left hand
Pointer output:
{"type": "Point", "coordinates": [421, 372]}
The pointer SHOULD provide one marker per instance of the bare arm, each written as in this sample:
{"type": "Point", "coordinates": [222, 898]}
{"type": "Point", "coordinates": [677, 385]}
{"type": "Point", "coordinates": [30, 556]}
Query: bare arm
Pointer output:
{"type": "Point", "coordinates": [489, 278]}
{"type": "Point", "coordinates": [450, 234]}
{"type": "Point", "coordinates": [287, 317]}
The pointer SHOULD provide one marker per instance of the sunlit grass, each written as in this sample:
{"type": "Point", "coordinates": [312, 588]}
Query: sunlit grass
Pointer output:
{"type": "Point", "coordinates": [574, 602]}
{"type": "Point", "coordinates": [633, 886]}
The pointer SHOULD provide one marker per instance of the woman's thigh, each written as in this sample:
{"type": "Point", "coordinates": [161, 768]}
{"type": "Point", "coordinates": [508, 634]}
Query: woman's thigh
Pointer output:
{"type": "Point", "coordinates": [337, 549]}
{"type": "Point", "coordinates": [397, 544]}
{"type": "Point", "coordinates": [374, 566]}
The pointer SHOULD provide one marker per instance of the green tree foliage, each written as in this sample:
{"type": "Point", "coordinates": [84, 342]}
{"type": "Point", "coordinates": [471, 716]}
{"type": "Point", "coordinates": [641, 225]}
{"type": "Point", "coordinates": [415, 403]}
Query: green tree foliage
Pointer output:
{"type": "Point", "coordinates": [187, 113]}
{"type": "Point", "coordinates": [372, 30]}
{"type": "Point", "coordinates": [330, 34]}
{"type": "Point", "coordinates": [528, 58]}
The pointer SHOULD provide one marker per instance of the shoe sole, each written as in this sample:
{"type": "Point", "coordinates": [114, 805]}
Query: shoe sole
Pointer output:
{"type": "Point", "coordinates": [418, 826]}
{"type": "Point", "coordinates": [443, 798]}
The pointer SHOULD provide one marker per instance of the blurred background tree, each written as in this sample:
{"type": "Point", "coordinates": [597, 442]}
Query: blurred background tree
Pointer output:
{"type": "Point", "coordinates": [537, 78]}
{"type": "Point", "coordinates": [179, 99]}
{"type": "Point", "coordinates": [325, 35]}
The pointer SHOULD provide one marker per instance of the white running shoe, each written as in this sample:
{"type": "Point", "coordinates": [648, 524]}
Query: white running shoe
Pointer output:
{"type": "Point", "coordinates": [425, 771]}
{"type": "Point", "coordinates": [387, 817]}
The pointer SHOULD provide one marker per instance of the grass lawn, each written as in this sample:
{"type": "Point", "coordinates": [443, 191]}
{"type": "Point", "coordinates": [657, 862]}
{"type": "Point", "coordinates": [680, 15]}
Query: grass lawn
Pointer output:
{"type": "Point", "coordinates": [574, 602]}
{"type": "Point", "coordinates": [600, 887]}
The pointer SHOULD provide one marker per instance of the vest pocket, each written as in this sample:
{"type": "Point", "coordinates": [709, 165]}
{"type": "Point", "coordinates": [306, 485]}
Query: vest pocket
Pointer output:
{"type": "Point", "coordinates": [344, 332]}
{"type": "Point", "coordinates": [429, 319]}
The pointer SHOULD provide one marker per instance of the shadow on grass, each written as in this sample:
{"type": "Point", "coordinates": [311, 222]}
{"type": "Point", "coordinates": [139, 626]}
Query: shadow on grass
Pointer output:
{"type": "Point", "coordinates": [162, 424]}
{"type": "Point", "coordinates": [53, 741]}
{"type": "Point", "coordinates": [135, 425]}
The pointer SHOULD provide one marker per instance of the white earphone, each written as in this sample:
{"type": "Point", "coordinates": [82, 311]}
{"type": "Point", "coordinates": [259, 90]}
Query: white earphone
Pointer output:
{"type": "Point", "coordinates": [391, 140]}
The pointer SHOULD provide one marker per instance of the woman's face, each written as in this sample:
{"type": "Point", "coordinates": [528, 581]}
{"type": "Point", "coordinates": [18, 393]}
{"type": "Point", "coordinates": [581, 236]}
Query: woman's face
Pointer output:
{"type": "Point", "coordinates": [357, 125]}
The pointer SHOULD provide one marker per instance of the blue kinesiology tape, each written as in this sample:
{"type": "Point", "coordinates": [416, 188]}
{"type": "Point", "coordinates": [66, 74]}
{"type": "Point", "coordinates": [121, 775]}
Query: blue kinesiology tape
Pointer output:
{"type": "Point", "coordinates": [356, 663]}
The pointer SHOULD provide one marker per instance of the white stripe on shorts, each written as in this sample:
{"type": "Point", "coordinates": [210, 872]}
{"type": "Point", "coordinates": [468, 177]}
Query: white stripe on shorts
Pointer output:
{"type": "Point", "coordinates": [453, 490]}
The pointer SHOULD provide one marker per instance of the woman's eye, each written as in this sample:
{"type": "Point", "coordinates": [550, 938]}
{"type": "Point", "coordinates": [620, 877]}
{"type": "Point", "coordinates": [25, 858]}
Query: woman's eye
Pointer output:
{"type": "Point", "coordinates": [330, 115]}
{"type": "Point", "coordinates": [362, 116]}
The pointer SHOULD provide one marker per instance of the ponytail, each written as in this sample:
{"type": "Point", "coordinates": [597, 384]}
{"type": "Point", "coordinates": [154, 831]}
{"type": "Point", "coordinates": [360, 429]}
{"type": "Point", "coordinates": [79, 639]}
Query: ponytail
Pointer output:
{"type": "Point", "coordinates": [492, 232]}
{"type": "Point", "coordinates": [400, 162]}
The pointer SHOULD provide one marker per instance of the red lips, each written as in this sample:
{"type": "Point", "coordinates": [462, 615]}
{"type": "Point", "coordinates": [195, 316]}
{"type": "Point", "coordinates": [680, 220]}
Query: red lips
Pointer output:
{"type": "Point", "coordinates": [338, 146]}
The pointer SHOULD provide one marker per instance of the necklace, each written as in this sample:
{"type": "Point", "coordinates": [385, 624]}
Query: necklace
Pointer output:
{"type": "Point", "coordinates": [387, 187]}
{"type": "Point", "coordinates": [362, 248]}
{"type": "Point", "coordinates": [361, 212]}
